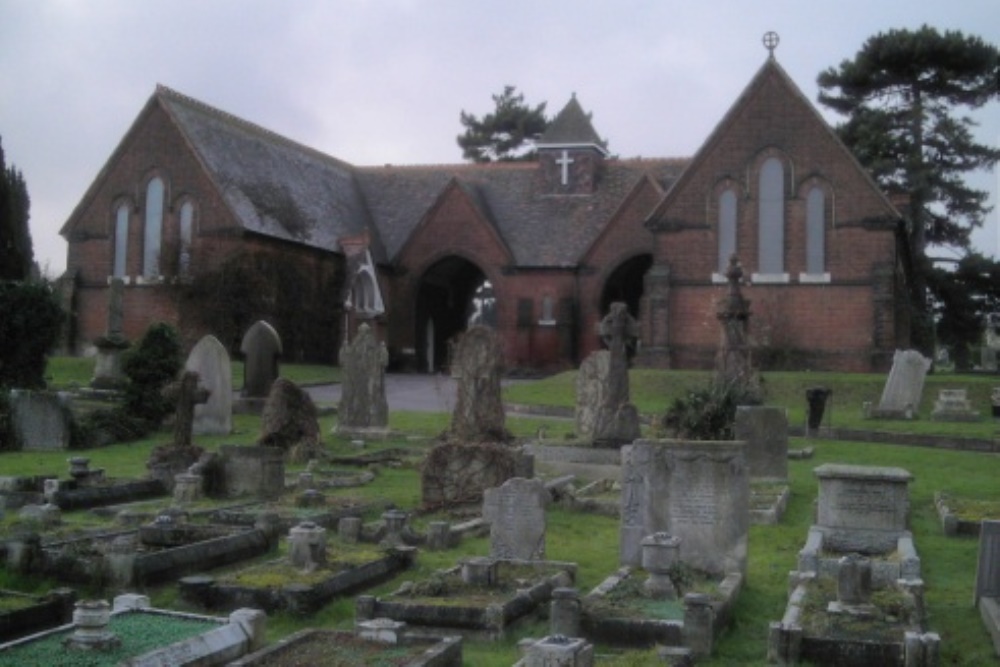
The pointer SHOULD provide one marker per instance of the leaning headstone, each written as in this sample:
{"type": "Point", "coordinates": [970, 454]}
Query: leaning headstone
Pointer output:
{"type": "Point", "coordinates": [765, 430]}
{"type": "Point", "coordinates": [590, 385]}
{"type": "Point", "coordinates": [363, 407]}
{"type": "Point", "coordinates": [698, 491]}
{"type": "Point", "coordinates": [905, 385]}
{"type": "Point", "coordinates": [290, 421]}
{"type": "Point", "coordinates": [477, 364]}
{"type": "Point", "coordinates": [617, 421]}
{"type": "Point", "coordinates": [108, 373]}
{"type": "Point", "coordinates": [41, 420]}
{"type": "Point", "coordinates": [515, 511]}
{"type": "Point", "coordinates": [261, 348]}
{"type": "Point", "coordinates": [210, 361]}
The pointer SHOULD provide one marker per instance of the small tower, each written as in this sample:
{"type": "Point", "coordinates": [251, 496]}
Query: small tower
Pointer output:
{"type": "Point", "coordinates": [570, 153]}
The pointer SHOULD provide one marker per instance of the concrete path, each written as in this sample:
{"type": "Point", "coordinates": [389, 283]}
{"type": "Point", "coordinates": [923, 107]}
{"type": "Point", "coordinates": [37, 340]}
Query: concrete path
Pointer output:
{"type": "Point", "coordinates": [409, 391]}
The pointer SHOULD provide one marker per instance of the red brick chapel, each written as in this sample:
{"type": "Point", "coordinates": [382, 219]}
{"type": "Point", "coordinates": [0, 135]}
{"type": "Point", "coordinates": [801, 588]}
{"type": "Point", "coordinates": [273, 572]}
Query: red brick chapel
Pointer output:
{"type": "Point", "coordinates": [538, 250]}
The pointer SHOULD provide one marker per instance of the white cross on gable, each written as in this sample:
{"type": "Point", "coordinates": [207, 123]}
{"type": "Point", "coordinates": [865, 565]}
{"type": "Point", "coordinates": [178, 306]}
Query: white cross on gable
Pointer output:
{"type": "Point", "coordinates": [565, 161]}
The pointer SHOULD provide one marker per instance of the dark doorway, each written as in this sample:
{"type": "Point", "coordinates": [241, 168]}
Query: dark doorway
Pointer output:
{"type": "Point", "coordinates": [625, 284]}
{"type": "Point", "coordinates": [453, 293]}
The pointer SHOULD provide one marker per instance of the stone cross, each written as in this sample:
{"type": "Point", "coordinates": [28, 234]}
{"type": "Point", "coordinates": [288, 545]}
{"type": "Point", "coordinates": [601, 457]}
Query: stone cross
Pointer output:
{"type": "Point", "coordinates": [617, 421]}
{"type": "Point", "coordinates": [733, 364]}
{"type": "Point", "coordinates": [565, 161]}
{"type": "Point", "coordinates": [116, 308]}
{"type": "Point", "coordinates": [187, 393]}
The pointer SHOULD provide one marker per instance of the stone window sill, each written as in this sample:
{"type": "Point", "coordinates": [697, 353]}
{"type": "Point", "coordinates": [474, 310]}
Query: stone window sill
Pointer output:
{"type": "Point", "coordinates": [770, 278]}
{"type": "Point", "coordinates": [125, 279]}
{"type": "Point", "coordinates": [546, 323]}
{"type": "Point", "coordinates": [814, 278]}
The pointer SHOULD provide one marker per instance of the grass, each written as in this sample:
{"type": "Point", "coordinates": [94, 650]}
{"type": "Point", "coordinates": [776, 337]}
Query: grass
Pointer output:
{"type": "Point", "coordinates": [948, 564]}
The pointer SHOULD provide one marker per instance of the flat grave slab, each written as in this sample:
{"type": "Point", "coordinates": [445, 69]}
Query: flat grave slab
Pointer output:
{"type": "Point", "coordinates": [312, 647]}
{"type": "Point", "coordinates": [964, 516]}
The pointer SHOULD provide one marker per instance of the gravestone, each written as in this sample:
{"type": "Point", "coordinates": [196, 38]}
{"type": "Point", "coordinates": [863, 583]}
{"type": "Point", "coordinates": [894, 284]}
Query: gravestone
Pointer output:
{"type": "Point", "coordinates": [905, 385]}
{"type": "Point", "coordinates": [617, 421]}
{"type": "Point", "coordinates": [477, 364]}
{"type": "Point", "coordinates": [108, 372]}
{"type": "Point", "coordinates": [733, 362]}
{"type": "Point", "coordinates": [591, 382]}
{"type": "Point", "coordinates": [210, 361]}
{"type": "Point", "coordinates": [765, 430]}
{"type": "Point", "coordinates": [515, 511]}
{"type": "Point", "coordinates": [186, 393]}
{"type": "Point", "coordinates": [953, 405]}
{"type": "Point", "coordinates": [41, 420]}
{"type": "Point", "coordinates": [988, 565]}
{"type": "Point", "coordinates": [253, 471]}
{"type": "Point", "coordinates": [261, 348]}
{"type": "Point", "coordinates": [862, 508]}
{"type": "Point", "coordinates": [698, 491]}
{"type": "Point", "coordinates": [290, 422]}
{"type": "Point", "coordinates": [363, 408]}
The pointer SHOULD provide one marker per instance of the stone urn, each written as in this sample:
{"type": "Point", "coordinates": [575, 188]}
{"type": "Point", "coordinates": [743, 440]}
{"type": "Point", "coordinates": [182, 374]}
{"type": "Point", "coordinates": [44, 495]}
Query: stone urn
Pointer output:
{"type": "Point", "coordinates": [660, 553]}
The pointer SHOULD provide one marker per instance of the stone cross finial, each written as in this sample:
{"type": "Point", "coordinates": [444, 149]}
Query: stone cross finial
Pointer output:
{"type": "Point", "coordinates": [186, 391]}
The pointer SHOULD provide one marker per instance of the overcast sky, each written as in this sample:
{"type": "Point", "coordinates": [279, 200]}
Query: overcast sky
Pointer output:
{"type": "Point", "coordinates": [383, 81]}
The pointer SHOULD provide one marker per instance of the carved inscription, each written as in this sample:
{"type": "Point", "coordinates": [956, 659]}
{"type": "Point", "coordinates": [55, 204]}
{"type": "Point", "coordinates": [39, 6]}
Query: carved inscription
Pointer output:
{"type": "Point", "coordinates": [695, 507]}
{"type": "Point", "coordinates": [865, 499]}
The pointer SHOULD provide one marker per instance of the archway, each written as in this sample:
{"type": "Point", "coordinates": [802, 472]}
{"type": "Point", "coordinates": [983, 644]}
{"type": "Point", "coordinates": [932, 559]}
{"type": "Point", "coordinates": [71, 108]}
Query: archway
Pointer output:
{"type": "Point", "coordinates": [625, 283]}
{"type": "Point", "coordinates": [452, 294]}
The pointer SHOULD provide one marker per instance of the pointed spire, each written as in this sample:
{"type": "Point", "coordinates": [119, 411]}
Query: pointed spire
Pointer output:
{"type": "Point", "coordinates": [571, 127]}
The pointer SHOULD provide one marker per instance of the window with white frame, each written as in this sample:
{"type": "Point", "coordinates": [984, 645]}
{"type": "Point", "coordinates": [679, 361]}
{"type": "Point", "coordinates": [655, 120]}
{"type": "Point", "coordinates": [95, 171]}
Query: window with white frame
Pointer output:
{"type": "Point", "coordinates": [186, 234]}
{"type": "Point", "coordinates": [120, 265]}
{"type": "Point", "coordinates": [727, 228]}
{"type": "Point", "coordinates": [771, 218]}
{"type": "Point", "coordinates": [153, 234]}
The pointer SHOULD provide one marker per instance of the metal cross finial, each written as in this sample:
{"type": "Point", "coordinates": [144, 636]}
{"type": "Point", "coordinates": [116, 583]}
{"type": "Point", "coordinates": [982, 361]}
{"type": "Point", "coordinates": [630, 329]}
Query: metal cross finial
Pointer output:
{"type": "Point", "coordinates": [771, 41]}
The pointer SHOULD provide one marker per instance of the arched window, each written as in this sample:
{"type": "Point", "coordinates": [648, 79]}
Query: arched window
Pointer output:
{"type": "Point", "coordinates": [771, 218]}
{"type": "Point", "coordinates": [121, 241]}
{"type": "Point", "coordinates": [153, 229]}
{"type": "Point", "coordinates": [186, 231]}
{"type": "Point", "coordinates": [727, 228]}
{"type": "Point", "coordinates": [815, 231]}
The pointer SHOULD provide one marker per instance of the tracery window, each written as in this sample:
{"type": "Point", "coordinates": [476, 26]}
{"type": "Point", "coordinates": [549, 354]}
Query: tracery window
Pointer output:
{"type": "Point", "coordinates": [771, 218]}
{"type": "Point", "coordinates": [153, 229]}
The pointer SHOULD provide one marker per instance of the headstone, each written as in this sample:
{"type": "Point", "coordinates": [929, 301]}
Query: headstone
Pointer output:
{"type": "Point", "coordinates": [254, 471]}
{"type": "Point", "coordinates": [557, 651]}
{"type": "Point", "coordinates": [477, 364]}
{"type": "Point", "coordinates": [988, 359]}
{"type": "Point", "coordinates": [41, 420]}
{"type": "Point", "coordinates": [455, 474]}
{"type": "Point", "coordinates": [591, 381]}
{"type": "Point", "coordinates": [516, 514]}
{"type": "Point", "coordinates": [905, 385]}
{"type": "Point", "coordinates": [733, 362]}
{"type": "Point", "coordinates": [363, 406]}
{"type": "Point", "coordinates": [698, 491]}
{"type": "Point", "coordinates": [290, 421]}
{"type": "Point", "coordinates": [862, 508]}
{"type": "Point", "coordinates": [108, 373]}
{"type": "Point", "coordinates": [988, 566]}
{"type": "Point", "coordinates": [953, 405]}
{"type": "Point", "coordinates": [765, 430]}
{"type": "Point", "coordinates": [617, 421]}
{"type": "Point", "coordinates": [307, 546]}
{"type": "Point", "coordinates": [210, 361]}
{"type": "Point", "coordinates": [261, 348]}
{"type": "Point", "coordinates": [186, 392]}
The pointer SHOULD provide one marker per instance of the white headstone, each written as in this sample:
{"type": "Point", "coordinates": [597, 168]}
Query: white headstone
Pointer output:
{"type": "Point", "coordinates": [210, 361]}
{"type": "Point", "coordinates": [765, 430]}
{"type": "Point", "coordinates": [516, 513]}
{"type": "Point", "coordinates": [905, 385]}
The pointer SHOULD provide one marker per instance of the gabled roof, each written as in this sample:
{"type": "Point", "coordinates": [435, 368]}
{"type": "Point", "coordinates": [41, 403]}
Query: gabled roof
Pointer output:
{"type": "Point", "coordinates": [769, 71]}
{"type": "Point", "coordinates": [538, 228]}
{"type": "Point", "coordinates": [273, 186]}
{"type": "Point", "coordinates": [571, 127]}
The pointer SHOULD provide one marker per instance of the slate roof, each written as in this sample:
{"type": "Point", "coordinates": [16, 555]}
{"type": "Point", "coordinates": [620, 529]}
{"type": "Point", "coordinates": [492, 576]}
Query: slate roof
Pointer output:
{"type": "Point", "coordinates": [571, 126]}
{"type": "Point", "coordinates": [540, 229]}
{"type": "Point", "coordinates": [273, 185]}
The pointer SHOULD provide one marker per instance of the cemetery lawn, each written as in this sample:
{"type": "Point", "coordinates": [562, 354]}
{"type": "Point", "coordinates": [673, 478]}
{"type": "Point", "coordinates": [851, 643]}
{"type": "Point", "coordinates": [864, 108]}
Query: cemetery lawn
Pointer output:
{"type": "Point", "coordinates": [948, 564]}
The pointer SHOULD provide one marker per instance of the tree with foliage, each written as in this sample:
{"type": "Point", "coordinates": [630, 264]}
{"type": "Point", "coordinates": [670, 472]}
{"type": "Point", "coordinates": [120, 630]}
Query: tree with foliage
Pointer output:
{"type": "Point", "coordinates": [507, 134]}
{"type": "Point", "coordinates": [902, 93]}
{"type": "Point", "coordinates": [150, 367]}
{"type": "Point", "coordinates": [16, 254]}
{"type": "Point", "coordinates": [30, 322]}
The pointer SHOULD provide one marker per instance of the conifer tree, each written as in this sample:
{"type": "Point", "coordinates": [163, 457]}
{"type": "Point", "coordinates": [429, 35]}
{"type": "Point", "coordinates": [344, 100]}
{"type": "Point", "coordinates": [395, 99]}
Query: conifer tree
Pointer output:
{"type": "Point", "coordinates": [16, 254]}
{"type": "Point", "coordinates": [505, 135]}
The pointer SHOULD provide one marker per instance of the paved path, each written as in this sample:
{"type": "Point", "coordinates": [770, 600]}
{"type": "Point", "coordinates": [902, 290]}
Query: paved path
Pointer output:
{"type": "Point", "coordinates": [418, 393]}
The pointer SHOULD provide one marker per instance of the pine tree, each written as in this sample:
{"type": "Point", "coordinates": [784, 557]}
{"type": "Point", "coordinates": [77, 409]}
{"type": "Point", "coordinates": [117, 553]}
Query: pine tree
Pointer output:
{"type": "Point", "coordinates": [16, 254]}
{"type": "Point", "coordinates": [903, 94]}
{"type": "Point", "coordinates": [507, 134]}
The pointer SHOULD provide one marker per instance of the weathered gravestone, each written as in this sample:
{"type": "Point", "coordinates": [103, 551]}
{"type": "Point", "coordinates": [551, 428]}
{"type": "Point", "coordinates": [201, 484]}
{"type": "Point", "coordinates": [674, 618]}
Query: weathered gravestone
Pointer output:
{"type": "Point", "coordinates": [252, 471]}
{"type": "Point", "coordinates": [953, 405]}
{"type": "Point", "coordinates": [591, 382]}
{"type": "Point", "coordinates": [765, 430]}
{"type": "Point", "coordinates": [261, 348]}
{"type": "Point", "coordinates": [363, 408]}
{"type": "Point", "coordinates": [698, 491]}
{"type": "Point", "coordinates": [987, 592]}
{"type": "Point", "coordinates": [210, 361]}
{"type": "Point", "coordinates": [41, 420]}
{"type": "Point", "coordinates": [516, 513]}
{"type": "Point", "coordinates": [477, 364]}
{"type": "Point", "coordinates": [617, 421]}
{"type": "Point", "coordinates": [290, 422]}
{"type": "Point", "coordinates": [862, 508]}
{"type": "Point", "coordinates": [904, 387]}
{"type": "Point", "coordinates": [186, 393]}
{"type": "Point", "coordinates": [108, 364]}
